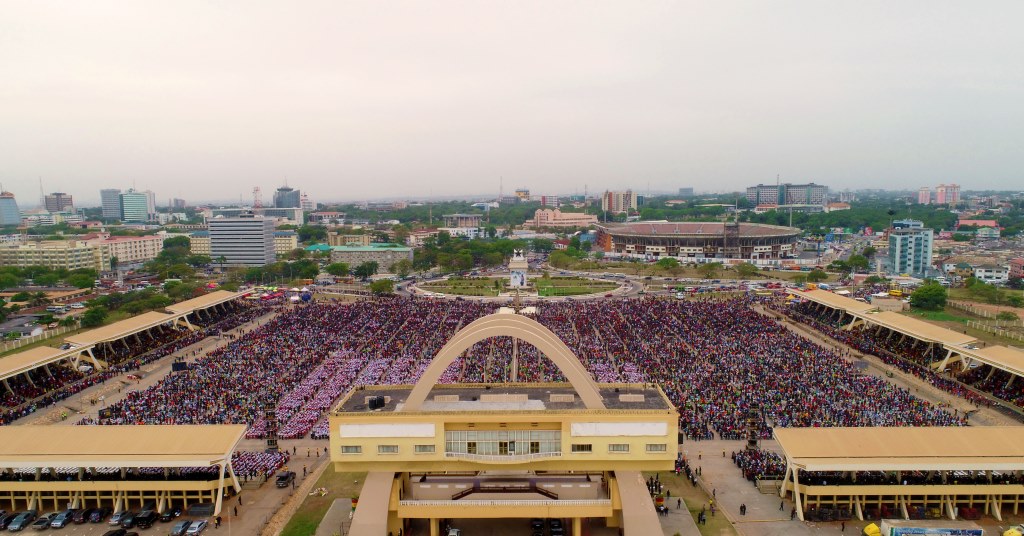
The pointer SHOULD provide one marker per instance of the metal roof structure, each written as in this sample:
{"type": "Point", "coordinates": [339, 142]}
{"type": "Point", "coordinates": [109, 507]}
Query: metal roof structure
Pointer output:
{"type": "Point", "coordinates": [833, 300]}
{"type": "Point", "coordinates": [118, 446]}
{"type": "Point", "coordinates": [1001, 357]}
{"type": "Point", "coordinates": [205, 301]}
{"type": "Point", "coordinates": [122, 329]}
{"type": "Point", "coordinates": [23, 362]}
{"type": "Point", "coordinates": [918, 329]}
{"type": "Point", "coordinates": [938, 448]}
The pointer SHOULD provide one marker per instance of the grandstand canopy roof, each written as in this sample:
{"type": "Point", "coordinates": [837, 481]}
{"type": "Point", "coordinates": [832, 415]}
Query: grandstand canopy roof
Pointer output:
{"type": "Point", "coordinates": [833, 300]}
{"type": "Point", "coordinates": [207, 300]}
{"type": "Point", "coordinates": [919, 329]}
{"type": "Point", "coordinates": [904, 448]}
{"type": "Point", "coordinates": [22, 362]}
{"type": "Point", "coordinates": [696, 228]}
{"type": "Point", "coordinates": [1001, 357]}
{"type": "Point", "coordinates": [119, 330]}
{"type": "Point", "coordinates": [118, 446]}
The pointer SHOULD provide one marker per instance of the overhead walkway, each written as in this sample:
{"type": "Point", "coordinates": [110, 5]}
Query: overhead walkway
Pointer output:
{"type": "Point", "coordinates": [943, 470]}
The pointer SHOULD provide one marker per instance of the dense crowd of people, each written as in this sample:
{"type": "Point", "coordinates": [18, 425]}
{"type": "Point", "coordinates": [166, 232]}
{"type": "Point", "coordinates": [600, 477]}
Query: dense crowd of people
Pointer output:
{"type": "Point", "coordinates": [44, 386]}
{"type": "Point", "coordinates": [906, 354]}
{"type": "Point", "coordinates": [718, 361]}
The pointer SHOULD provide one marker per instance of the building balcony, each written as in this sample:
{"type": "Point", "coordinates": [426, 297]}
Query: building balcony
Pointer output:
{"type": "Point", "coordinates": [502, 458]}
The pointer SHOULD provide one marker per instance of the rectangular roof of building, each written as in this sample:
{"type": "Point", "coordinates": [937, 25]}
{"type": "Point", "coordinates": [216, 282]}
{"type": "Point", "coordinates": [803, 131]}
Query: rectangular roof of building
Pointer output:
{"type": "Point", "coordinates": [833, 300]}
{"type": "Point", "coordinates": [206, 300]}
{"type": "Point", "coordinates": [919, 329]}
{"type": "Point", "coordinates": [1001, 357]}
{"type": "Point", "coordinates": [22, 362]}
{"type": "Point", "coordinates": [904, 448]}
{"type": "Point", "coordinates": [378, 247]}
{"type": "Point", "coordinates": [121, 329]}
{"type": "Point", "coordinates": [118, 446]}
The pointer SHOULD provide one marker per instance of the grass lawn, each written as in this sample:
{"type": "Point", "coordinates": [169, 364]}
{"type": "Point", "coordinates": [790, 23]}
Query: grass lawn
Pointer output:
{"type": "Point", "coordinates": [694, 498]}
{"type": "Point", "coordinates": [313, 508]}
{"type": "Point", "coordinates": [947, 315]}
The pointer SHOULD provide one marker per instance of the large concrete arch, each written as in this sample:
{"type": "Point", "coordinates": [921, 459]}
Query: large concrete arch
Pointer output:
{"type": "Point", "coordinates": [508, 325]}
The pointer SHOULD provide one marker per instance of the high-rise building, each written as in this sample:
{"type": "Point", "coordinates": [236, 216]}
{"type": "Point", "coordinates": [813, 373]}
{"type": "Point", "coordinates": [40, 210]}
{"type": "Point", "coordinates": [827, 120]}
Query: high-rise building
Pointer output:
{"type": "Point", "coordinates": [286, 197]}
{"type": "Point", "coordinates": [947, 194]}
{"type": "Point", "coordinates": [111, 201]}
{"type": "Point", "coordinates": [150, 205]}
{"type": "Point", "coordinates": [686, 192]}
{"type": "Point", "coordinates": [178, 203]}
{"type": "Point", "coordinates": [58, 202]}
{"type": "Point", "coordinates": [523, 194]}
{"type": "Point", "coordinates": [924, 195]}
{"type": "Point", "coordinates": [788, 194]}
{"type": "Point", "coordinates": [618, 202]}
{"type": "Point", "coordinates": [135, 206]}
{"type": "Point", "coordinates": [307, 204]}
{"type": "Point", "coordinates": [9, 214]}
{"type": "Point", "coordinates": [910, 250]}
{"type": "Point", "coordinates": [245, 240]}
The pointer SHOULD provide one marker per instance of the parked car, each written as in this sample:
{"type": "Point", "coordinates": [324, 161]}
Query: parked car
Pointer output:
{"type": "Point", "coordinates": [128, 519]}
{"type": "Point", "coordinates": [99, 514]}
{"type": "Point", "coordinates": [62, 519]}
{"type": "Point", "coordinates": [197, 527]}
{"type": "Point", "coordinates": [82, 516]}
{"type": "Point", "coordinates": [169, 514]}
{"type": "Point", "coordinates": [6, 519]}
{"type": "Point", "coordinates": [42, 522]}
{"type": "Point", "coordinates": [116, 532]}
{"type": "Point", "coordinates": [116, 517]}
{"type": "Point", "coordinates": [179, 528]}
{"type": "Point", "coordinates": [22, 521]}
{"type": "Point", "coordinates": [145, 519]}
{"type": "Point", "coordinates": [284, 479]}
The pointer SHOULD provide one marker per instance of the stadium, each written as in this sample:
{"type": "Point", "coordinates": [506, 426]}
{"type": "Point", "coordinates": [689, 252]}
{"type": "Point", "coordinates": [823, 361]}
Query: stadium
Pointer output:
{"type": "Point", "coordinates": [699, 240]}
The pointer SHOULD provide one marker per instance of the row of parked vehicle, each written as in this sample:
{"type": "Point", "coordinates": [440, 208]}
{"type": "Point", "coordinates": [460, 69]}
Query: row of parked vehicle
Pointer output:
{"type": "Point", "coordinates": [126, 519]}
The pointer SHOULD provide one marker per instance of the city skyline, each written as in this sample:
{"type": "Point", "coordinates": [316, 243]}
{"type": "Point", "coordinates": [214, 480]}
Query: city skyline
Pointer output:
{"type": "Point", "coordinates": [350, 101]}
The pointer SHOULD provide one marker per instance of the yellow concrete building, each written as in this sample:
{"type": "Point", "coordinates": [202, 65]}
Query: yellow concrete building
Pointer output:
{"type": "Point", "coordinates": [549, 450]}
{"type": "Point", "coordinates": [56, 254]}
{"type": "Point", "coordinates": [335, 239]}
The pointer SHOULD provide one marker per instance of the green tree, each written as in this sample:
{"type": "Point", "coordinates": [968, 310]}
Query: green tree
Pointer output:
{"type": "Point", "coordinates": [81, 281]}
{"type": "Point", "coordinates": [560, 259]}
{"type": "Point", "coordinates": [382, 286]}
{"type": "Point", "coordinates": [709, 270]}
{"type": "Point", "coordinates": [668, 264]}
{"type": "Point", "coordinates": [874, 280]}
{"type": "Point", "coordinates": [222, 260]}
{"type": "Point", "coordinates": [1015, 300]}
{"type": "Point", "coordinates": [858, 262]}
{"type": "Point", "coordinates": [1007, 316]}
{"type": "Point", "coordinates": [366, 269]}
{"type": "Point", "coordinates": [816, 275]}
{"type": "Point", "coordinates": [21, 297]}
{"type": "Point", "coordinates": [9, 280]}
{"type": "Point", "coordinates": [177, 241]}
{"type": "Point", "coordinates": [1015, 283]}
{"type": "Point", "coordinates": [339, 269]}
{"type": "Point", "coordinates": [869, 251]}
{"type": "Point", "coordinates": [94, 317]}
{"type": "Point", "coordinates": [402, 268]}
{"type": "Point", "coordinates": [931, 296]}
{"type": "Point", "coordinates": [746, 270]}
{"type": "Point", "coordinates": [38, 298]}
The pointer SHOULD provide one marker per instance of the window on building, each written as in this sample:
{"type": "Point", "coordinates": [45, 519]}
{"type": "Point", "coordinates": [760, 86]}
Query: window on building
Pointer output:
{"type": "Point", "coordinates": [351, 449]}
{"type": "Point", "coordinates": [424, 449]}
{"type": "Point", "coordinates": [618, 447]}
{"type": "Point", "coordinates": [582, 447]}
{"type": "Point", "coordinates": [657, 447]}
{"type": "Point", "coordinates": [387, 449]}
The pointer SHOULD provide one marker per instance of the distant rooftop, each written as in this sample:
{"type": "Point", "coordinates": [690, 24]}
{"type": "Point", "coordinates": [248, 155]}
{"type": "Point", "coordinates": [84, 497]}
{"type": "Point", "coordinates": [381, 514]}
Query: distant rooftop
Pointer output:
{"type": "Point", "coordinates": [371, 247]}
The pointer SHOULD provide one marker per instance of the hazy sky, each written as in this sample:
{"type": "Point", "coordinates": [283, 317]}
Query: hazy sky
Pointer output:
{"type": "Point", "coordinates": [374, 98]}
